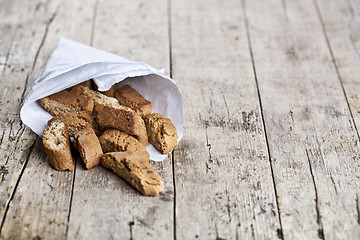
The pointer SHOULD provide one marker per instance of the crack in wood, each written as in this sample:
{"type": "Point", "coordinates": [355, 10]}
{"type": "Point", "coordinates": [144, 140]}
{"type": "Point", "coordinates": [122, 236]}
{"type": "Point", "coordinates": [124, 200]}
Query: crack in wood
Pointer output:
{"type": "Point", "coordinates": [291, 115]}
{"type": "Point", "coordinates": [226, 106]}
{"type": "Point", "coordinates": [7, 206]}
{"type": "Point", "coordinates": [217, 233]}
{"type": "Point", "coordinates": [10, 137]}
{"type": "Point", "coordinates": [71, 198]}
{"type": "Point", "coordinates": [43, 39]}
{"type": "Point", "coordinates": [318, 215]}
{"type": "Point", "coordinates": [248, 36]}
{"type": "Point", "coordinates": [22, 98]}
{"type": "Point", "coordinates": [2, 137]}
{"type": "Point", "coordinates": [210, 160]}
{"type": "Point", "coordinates": [174, 186]}
{"type": "Point", "coordinates": [357, 209]}
{"type": "Point", "coordinates": [173, 152]}
{"type": "Point", "coordinates": [228, 208]}
{"type": "Point", "coordinates": [94, 22]}
{"type": "Point", "coordinates": [131, 224]}
{"type": "Point", "coordinates": [15, 137]}
{"type": "Point", "coordinates": [3, 172]}
{"type": "Point", "coordinates": [333, 182]}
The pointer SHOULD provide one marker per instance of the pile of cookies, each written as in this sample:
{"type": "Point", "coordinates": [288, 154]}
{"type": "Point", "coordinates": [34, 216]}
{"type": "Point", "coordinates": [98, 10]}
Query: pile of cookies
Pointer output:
{"type": "Point", "coordinates": [110, 128]}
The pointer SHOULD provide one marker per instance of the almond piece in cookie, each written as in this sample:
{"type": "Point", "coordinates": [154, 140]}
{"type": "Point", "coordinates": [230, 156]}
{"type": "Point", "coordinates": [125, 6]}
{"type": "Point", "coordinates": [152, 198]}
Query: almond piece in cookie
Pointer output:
{"type": "Point", "coordinates": [129, 97]}
{"type": "Point", "coordinates": [67, 101]}
{"type": "Point", "coordinates": [137, 171]}
{"type": "Point", "coordinates": [122, 118]}
{"type": "Point", "coordinates": [57, 146]}
{"type": "Point", "coordinates": [87, 143]}
{"type": "Point", "coordinates": [113, 140]}
{"type": "Point", "coordinates": [77, 121]}
{"type": "Point", "coordinates": [162, 132]}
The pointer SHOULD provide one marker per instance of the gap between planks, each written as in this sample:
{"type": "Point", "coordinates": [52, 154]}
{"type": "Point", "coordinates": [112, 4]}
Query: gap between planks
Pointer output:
{"type": "Point", "coordinates": [173, 152]}
{"type": "Point", "coordinates": [279, 231]}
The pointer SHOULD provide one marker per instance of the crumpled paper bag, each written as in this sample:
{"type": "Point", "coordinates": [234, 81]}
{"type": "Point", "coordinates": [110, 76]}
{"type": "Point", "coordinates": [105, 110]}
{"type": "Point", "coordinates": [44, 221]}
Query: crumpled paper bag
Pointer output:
{"type": "Point", "coordinates": [72, 63]}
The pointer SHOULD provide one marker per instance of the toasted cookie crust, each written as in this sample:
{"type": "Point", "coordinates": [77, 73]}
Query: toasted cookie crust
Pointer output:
{"type": "Point", "coordinates": [137, 171]}
{"type": "Point", "coordinates": [114, 140]}
{"type": "Point", "coordinates": [129, 97]}
{"type": "Point", "coordinates": [88, 145]}
{"type": "Point", "coordinates": [57, 146]}
{"type": "Point", "coordinates": [162, 132]}
{"type": "Point", "coordinates": [122, 118]}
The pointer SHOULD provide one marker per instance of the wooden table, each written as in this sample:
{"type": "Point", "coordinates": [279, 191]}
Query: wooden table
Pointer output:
{"type": "Point", "coordinates": [271, 143]}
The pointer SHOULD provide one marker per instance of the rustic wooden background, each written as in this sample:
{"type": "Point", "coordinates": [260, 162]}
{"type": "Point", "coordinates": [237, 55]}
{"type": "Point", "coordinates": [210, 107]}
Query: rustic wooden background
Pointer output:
{"type": "Point", "coordinates": [272, 111]}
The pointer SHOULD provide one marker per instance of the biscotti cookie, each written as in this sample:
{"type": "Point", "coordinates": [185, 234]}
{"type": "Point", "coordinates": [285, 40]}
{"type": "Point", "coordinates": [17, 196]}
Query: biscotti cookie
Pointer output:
{"type": "Point", "coordinates": [88, 84]}
{"type": "Point", "coordinates": [113, 140]}
{"type": "Point", "coordinates": [88, 145]}
{"type": "Point", "coordinates": [110, 92]}
{"type": "Point", "coordinates": [129, 97]}
{"type": "Point", "coordinates": [162, 132]}
{"type": "Point", "coordinates": [57, 146]}
{"type": "Point", "coordinates": [135, 170]}
{"type": "Point", "coordinates": [122, 118]}
{"type": "Point", "coordinates": [67, 101]}
{"type": "Point", "coordinates": [97, 97]}
{"type": "Point", "coordinates": [77, 121]}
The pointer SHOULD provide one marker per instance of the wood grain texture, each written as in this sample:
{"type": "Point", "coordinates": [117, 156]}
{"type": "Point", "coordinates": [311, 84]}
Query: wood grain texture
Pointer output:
{"type": "Point", "coordinates": [103, 205]}
{"type": "Point", "coordinates": [40, 205]}
{"type": "Point", "coordinates": [270, 147]}
{"type": "Point", "coordinates": [313, 141]}
{"type": "Point", "coordinates": [224, 188]}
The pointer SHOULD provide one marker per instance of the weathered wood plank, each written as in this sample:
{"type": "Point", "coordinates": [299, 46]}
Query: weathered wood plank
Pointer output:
{"type": "Point", "coordinates": [341, 25]}
{"type": "Point", "coordinates": [17, 50]}
{"type": "Point", "coordinates": [314, 146]}
{"type": "Point", "coordinates": [103, 205]}
{"type": "Point", "coordinates": [224, 188]}
{"type": "Point", "coordinates": [41, 202]}
{"type": "Point", "coordinates": [40, 205]}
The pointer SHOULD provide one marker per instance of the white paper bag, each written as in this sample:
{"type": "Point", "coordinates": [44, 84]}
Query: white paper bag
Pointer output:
{"type": "Point", "coordinates": [72, 63]}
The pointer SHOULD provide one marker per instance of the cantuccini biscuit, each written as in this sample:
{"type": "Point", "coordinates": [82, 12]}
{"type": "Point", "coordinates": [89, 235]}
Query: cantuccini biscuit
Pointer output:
{"type": "Point", "coordinates": [87, 143]}
{"type": "Point", "coordinates": [129, 97]}
{"type": "Point", "coordinates": [135, 170]}
{"type": "Point", "coordinates": [88, 84]}
{"type": "Point", "coordinates": [113, 140]}
{"type": "Point", "coordinates": [77, 121]}
{"type": "Point", "coordinates": [162, 132]}
{"type": "Point", "coordinates": [110, 92]}
{"type": "Point", "coordinates": [57, 146]}
{"type": "Point", "coordinates": [123, 118]}
{"type": "Point", "coordinates": [97, 97]}
{"type": "Point", "coordinates": [67, 101]}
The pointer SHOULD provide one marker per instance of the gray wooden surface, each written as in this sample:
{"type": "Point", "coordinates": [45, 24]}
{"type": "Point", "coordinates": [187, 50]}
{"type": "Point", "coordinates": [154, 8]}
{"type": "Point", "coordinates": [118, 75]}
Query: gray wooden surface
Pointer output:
{"type": "Point", "coordinates": [272, 111]}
